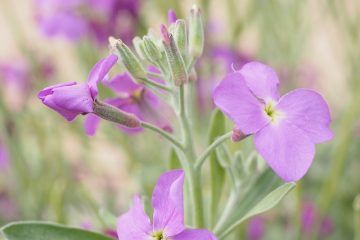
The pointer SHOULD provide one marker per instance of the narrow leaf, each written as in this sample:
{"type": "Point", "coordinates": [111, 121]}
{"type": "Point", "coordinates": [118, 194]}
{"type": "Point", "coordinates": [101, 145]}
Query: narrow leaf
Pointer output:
{"type": "Point", "coordinates": [270, 201]}
{"type": "Point", "coordinates": [47, 231]}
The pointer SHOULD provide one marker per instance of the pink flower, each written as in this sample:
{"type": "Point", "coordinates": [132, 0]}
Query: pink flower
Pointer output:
{"type": "Point", "coordinates": [72, 99]}
{"type": "Point", "coordinates": [285, 128]}
{"type": "Point", "coordinates": [168, 216]}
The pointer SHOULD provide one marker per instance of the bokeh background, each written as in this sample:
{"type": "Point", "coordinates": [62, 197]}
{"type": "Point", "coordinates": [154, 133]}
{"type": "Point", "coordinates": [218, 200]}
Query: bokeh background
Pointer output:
{"type": "Point", "coordinates": [51, 170]}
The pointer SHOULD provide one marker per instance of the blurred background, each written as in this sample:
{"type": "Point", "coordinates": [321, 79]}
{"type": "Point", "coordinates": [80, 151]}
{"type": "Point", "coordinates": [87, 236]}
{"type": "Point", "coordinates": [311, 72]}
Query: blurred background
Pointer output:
{"type": "Point", "coordinates": [51, 170]}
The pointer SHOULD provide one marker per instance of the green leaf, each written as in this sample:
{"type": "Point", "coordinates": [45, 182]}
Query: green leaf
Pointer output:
{"type": "Point", "coordinates": [242, 205]}
{"type": "Point", "coordinates": [46, 231]}
{"type": "Point", "coordinates": [217, 172]}
{"type": "Point", "coordinates": [270, 201]}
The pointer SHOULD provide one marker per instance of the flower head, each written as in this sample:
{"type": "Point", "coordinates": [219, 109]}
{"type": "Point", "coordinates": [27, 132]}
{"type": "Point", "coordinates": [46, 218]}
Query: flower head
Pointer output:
{"type": "Point", "coordinates": [72, 99]}
{"type": "Point", "coordinates": [168, 217]}
{"type": "Point", "coordinates": [285, 128]}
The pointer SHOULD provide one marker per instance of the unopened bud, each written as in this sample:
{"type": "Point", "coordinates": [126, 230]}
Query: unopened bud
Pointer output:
{"type": "Point", "coordinates": [153, 53]}
{"type": "Point", "coordinates": [113, 114]}
{"type": "Point", "coordinates": [196, 33]}
{"type": "Point", "coordinates": [139, 47]}
{"type": "Point", "coordinates": [174, 58]}
{"type": "Point", "coordinates": [237, 135]}
{"type": "Point", "coordinates": [180, 37]}
{"type": "Point", "coordinates": [171, 16]}
{"type": "Point", "coordinates": [130, 61]}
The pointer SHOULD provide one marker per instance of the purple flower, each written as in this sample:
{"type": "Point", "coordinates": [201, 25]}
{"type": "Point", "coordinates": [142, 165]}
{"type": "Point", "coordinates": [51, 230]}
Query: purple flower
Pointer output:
{"type": "Point", "coordinates": [72, 99]}
{"type": "Point", "coordinates": [97, 20]}
{"type": "Point", "coordinates": [256, 228]}
{"type": "Point", "coordinates": [4, 157]}
{"type": "Point", "coordinates": [131, 98]}
{"type": "Point", "coordinates": [286, 129]}
{"type": "Point", "coordinates": [168, 216]}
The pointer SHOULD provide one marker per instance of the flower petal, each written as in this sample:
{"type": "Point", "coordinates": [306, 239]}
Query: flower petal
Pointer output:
{"type": "Point", "coordinates": [91, 124]}
{"type": "Point", "coordinates": [309, 112]}
{"type": "Point", "coordinates": [234, 98]}
{"type": "Point", "coordinates": [168, 203]}
{"type": "Point", "coordinates": [261, 79]}
{"type": "Point", "coordinates": [195, 234]}
{"type": "Point", "coordinates": [286, 148]}
{"type": "Point", "coordinates": [70, 99]}
{"type": "Point", "coordinates": [99, 72]}
{"type": "Point", "coordinates": [134, 224]}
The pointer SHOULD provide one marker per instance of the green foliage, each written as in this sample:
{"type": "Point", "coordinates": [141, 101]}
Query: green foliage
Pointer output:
{"type": "Point", "coordinates": [46, 231]}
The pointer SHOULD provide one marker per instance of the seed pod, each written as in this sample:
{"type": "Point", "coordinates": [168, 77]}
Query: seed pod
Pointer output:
{"type": "Point", "coordinates": [196, 33]}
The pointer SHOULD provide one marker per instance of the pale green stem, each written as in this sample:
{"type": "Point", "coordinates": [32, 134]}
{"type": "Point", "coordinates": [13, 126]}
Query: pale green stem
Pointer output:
{"type": "Point", "coordinates": [157, 85]}
{"type": "Point", "coordinates": [163, 133]}
{"type": "Point", "coordinates": [200, 161]}
{"type": "Point", "coordinates": [194, 177]}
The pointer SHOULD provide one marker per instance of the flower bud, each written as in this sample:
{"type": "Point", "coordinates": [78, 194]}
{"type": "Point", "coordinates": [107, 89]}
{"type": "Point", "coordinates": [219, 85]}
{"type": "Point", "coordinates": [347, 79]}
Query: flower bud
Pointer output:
{"type": "Point", "coordinates": [113, 114]}
{"type": "Point", "coordinates": [174, 58]}
{"type": "Point", "coordinates": [130, 61]}
{"type": "Point", "coordinates": [237, 135]}
{"type": "Point", "coordinates": [153, 53]}
{"type": "Point", "coordinates": [180, 37]}
{"type": "Point", "coordinates": [196, 33]}
{"type": "Point", "coordinates": [171, 16]}
{"type": "Point", "coordinates": [139, 47]}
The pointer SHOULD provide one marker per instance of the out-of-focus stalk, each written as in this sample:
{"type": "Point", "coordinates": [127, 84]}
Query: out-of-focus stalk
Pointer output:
{"type": "Point", "coordinates": [357, 217]}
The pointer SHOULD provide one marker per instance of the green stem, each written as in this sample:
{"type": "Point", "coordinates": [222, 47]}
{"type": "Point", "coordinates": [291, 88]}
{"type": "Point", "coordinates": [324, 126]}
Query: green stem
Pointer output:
{"type": "Point", "coordinates": [194, 176]}
{"type": "Point", "coordinates": [200, 161]}
{"type": "Point", "coordinates": [157, 85]}
{"type": "Point", "coordinates": [357, 217]}
{"type": "Point", "coordinates": [163, 133]}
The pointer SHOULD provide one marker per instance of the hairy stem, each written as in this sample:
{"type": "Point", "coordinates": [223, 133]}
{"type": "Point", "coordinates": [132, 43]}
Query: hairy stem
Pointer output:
{"type": "Point", "coordinates": [163, 133]}
{"type": "Point", "coordinates": [199, 162]}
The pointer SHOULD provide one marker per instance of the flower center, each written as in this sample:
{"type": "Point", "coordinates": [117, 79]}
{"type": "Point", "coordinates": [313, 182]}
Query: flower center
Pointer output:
{"type": "Point", "coordinates": [138, 94]}
{"type": "Point", "coordinates": [272, 113]}
{"type": "Point", "coordinates": [270, 110]}
{"type": "Point", "coordinates": [158, 235]}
